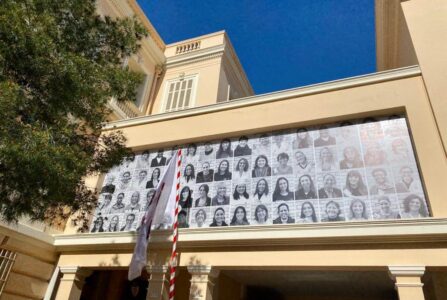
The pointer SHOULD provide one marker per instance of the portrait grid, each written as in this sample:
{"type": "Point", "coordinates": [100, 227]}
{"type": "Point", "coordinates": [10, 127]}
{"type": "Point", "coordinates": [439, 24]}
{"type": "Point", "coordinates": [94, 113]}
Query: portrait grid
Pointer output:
{"type": "Point", "coordinates": [348, 171]}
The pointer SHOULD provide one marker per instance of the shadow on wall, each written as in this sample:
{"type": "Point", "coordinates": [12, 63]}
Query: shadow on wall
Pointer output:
{"type": "Point", "coordinates": [264, 293]}
{"type": "Point", "coordinates": [195, 291]}
{"type": "Point", "coordinates": [113, 285]}
{"type": "Point", "coordinates": [114, 262]}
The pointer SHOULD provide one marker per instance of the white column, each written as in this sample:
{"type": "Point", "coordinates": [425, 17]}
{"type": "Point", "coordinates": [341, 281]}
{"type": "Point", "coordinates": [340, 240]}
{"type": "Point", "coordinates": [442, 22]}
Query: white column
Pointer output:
{"type": "Point", "coordinates": [156, 282]}
{"type": "Point", "coordinates": [203, 280]}
{"type": "Point", "coordinates": [71, 283]}
{"type": "Point", "coordinates": [408, 281]}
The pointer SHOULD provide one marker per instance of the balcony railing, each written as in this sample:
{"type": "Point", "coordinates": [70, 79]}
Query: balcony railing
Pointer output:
{"type": "Point", "coordinates": [125, 109]}
{"type": "Point", "coordinates": [185, 48]}
{"type": "Point", "coordinates": [7, 259]}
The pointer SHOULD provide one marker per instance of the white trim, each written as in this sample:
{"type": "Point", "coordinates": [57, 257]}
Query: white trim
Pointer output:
{"type": "Point", "coordinates": [200, 37]}
{"type": "Point", "coordinates": [373, 232]}
{"type": "Point", "coordinates": [160, 269]}
{"type": "Point", "coordinates": [203, 270]}
{"type": "Point", "coordinates": [26, 231]}
{"type": "Point", "coordinates": [52, 284]}
{"type": "Point", "coordinates": [412, 271]}
{"type": "Point", "coordinates": [419, 285]}
{"type": "Point", "coordinates": [272, 97]}
{"type": "Point", "coordinates": [206, 53]}
{"type": "Point", "coordinates": [69, 269]}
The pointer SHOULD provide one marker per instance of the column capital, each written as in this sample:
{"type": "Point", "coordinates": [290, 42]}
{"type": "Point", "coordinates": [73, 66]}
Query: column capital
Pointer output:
{"type": "Point", "coordinates": [160, 269]}
{"type": "Point", "coordinates": [71, 283]}
{"type": "Point", "coordinates": [406, 271]}
{"type": "Point", "coordinates": [203, 270]}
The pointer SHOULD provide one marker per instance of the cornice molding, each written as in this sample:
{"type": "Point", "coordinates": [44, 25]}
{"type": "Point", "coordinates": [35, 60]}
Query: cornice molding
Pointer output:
{"type": "Point", "coordinates": [325, 87]}
{"type": "Point", "coordinates": [195, 56]}
{"type": "Point", "coordinates": [27, 234]}
{"type": "Point", "coordinates": [428, 230]}
{"type": "Point", "coordinates": [413, 271]}
{"type": "Point", "coordinates": [147, 23]}
{"type": "Point", "coordinates": [200, 37]}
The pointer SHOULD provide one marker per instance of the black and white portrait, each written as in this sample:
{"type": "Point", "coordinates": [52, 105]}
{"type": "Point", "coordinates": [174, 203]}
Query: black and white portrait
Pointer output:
{"type": "Point", "coordinates": [307, 211]}
{"type": "Point", "coordinates": [241, 191]}
{"type": "Point", "coordinates": [283, 214]}
{"type": "Point", "coordinates": [302, 139]}
{"type": "Point", "coordinates": [328, 187]}
{"type": "Point", "coordinates": [140, 179]}
{"type": "Point", "coordinates": [262, 145]}
{"type": "Point", "coordinates": [118, 206]}
{"type": "Point", "coordinates": [283, 166]}
{"type": "Point", "coordinates": [224, 150]}
{"type": "Point", "coordinates": [359, 209]}
{"type": "Point", "coordinates": [206, 174]}
{"type": "Point", "coordinates": [327, 159]}
{"type": "Point", "coordinates": [143, 160]}
{"type": "Point", "coordinates": [159, 159]}
{"type": "Point", "coordinates": [219, 217]}
{"type": "Point", "coordinates": [154, 179]}
{"type": "Point", "coordinates": [241, 168]}
{"type": "Point", "coordinates": [109, 184]}
{"type": "Point", "coordinates": [282, 191]}
{"type": "Point", "coordinates": [303, 161]}
{"type": "Point", "coordinates": [332, 211]}
{"type": "Point", "coordinates": [239, 216]}
{"type": "Point", "coordinates": [223, 171]}
{"type": "Point", "coordinates": [385, 207]}
{"type": "Point", "coordinates": [380, 182]}
{"type": "Point", "coordinates": [189, 174]}
{"type": "Point", "coordinates": [325, 137]}
{"type": "Point", "coordinates": [306, 188]}
{"type": "Point", "coordinates": [261, 167]}
{"type": "Point", "coordinates": [203, 197]}
{"type": "Point", "coordinates": [242, 148]}
{"type": "Point", "coordinates": [125, 180]}
{"type": "Point", "coordinates": [221, 194]}
{"type": "Point", "coordinates": [261, 214]}
{"type": "Point", "coordinates": [262, 192]}
{"type": "Point", "coordinates": [407, 179]}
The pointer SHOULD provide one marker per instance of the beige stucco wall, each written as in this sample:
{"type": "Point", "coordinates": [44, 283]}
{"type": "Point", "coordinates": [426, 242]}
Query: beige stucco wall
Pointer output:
{"type": "Point", "coordinates": [427, 24]}
{"type": "Point", "coordinates": [222, 93]}
{"type": "Point", "coordinates": [396, 96]}
{"type": "Point", "coordinates": [405, 55]}
{"type": "Point", "coordinates": [215, 64]}
{"type": "Point", "coordinates": [33, 266]}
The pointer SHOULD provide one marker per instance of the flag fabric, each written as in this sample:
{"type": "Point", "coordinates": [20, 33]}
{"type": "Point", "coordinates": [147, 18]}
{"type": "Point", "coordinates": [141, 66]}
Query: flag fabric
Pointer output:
{"type": "Point", "coordinates": [158, 215]}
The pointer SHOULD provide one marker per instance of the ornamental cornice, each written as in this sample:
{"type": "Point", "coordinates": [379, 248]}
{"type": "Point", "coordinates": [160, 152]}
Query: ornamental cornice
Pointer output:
{"type": "Point", "coordinates": [195, 56]}
{"type": "Point", "coordinates": [425, 231]}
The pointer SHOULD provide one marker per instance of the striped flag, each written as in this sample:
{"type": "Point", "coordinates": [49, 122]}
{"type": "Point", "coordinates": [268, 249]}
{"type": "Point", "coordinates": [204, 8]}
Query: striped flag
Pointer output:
{"type": "Point", "coordinates": [161, 213]}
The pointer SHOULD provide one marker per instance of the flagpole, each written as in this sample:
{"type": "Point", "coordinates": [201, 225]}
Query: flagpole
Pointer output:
{"type": "Point", "coordinates": [172, 261]}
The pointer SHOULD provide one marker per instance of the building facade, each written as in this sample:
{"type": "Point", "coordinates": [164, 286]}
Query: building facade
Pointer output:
{"type": "Point", "coordinates": [355, 171]}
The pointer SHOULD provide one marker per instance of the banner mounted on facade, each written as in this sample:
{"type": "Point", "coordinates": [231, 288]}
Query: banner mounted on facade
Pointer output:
{"type": "Point", "coordinates": [349, 171]}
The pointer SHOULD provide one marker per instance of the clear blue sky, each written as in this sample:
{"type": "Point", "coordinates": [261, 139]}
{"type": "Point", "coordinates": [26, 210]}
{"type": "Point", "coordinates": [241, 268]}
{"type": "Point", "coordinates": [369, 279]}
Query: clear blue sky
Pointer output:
{"type": "Point", "coordinates": [281, 43]}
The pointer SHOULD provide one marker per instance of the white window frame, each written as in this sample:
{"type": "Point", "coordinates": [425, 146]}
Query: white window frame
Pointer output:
{"type": "Point", "coordinates": [192, 101]}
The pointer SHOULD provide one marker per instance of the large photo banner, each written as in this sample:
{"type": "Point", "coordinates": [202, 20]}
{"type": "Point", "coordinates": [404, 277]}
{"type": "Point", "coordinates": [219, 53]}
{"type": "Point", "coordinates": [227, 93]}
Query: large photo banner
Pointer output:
{"type": "Point", "coordinates": [348, 171]}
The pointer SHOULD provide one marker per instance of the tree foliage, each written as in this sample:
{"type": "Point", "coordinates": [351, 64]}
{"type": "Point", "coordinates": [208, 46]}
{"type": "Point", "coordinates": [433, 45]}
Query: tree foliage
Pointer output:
{"type": "Point", "coordinates": [60, 63]}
